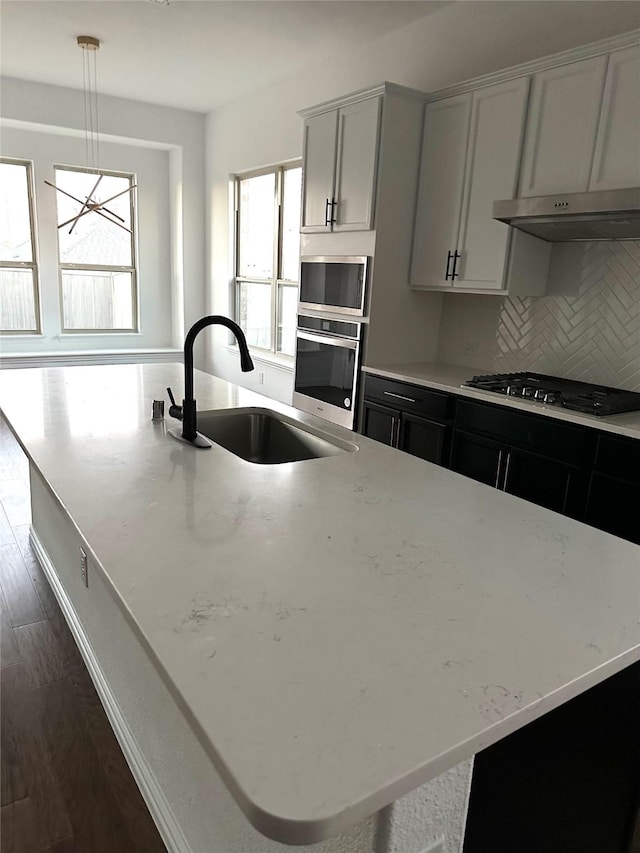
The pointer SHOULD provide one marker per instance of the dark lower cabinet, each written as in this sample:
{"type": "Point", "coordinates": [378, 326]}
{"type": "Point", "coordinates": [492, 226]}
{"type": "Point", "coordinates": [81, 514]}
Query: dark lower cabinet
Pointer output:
{"type": "Point", "coordinates": [410, 418]}
{"type": "Point", "coordinates": [540, 479]}
{"type": "Point", "coordinates": [534, 458]}
{"type": "Point", "coordinates": [380, 423]}
{"type": "Point", "coordinates": [614, 493]}
{"type": "Point", "coordinates": [566, 783]}
{"type": "Point", "coordinates": [574, 470]}
{"type": "Point", "coordinates": [614, 506]}
{"type": "Point", "coordinates": [477, 457]}
{"type": "Point", "coordinates": [415, 435]}
{"type": "Point", "coordinates": [423, 438]}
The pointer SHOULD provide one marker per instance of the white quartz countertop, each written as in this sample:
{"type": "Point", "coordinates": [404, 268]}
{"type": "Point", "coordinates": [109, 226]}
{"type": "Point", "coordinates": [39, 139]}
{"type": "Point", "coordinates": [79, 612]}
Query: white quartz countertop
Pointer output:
{"type": "Point", "coordinates": [337, 631]}
{"type": "Point", "coordinates": [451, 378]}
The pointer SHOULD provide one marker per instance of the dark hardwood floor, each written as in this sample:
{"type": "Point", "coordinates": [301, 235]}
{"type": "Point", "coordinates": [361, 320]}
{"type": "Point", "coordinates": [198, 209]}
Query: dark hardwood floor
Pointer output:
{"type": "Point", "coordinates": [66, 787]}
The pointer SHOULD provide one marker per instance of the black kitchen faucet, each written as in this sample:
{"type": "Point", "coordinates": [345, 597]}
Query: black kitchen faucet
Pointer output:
{"type": "Point", "coordinates": [187, 411]}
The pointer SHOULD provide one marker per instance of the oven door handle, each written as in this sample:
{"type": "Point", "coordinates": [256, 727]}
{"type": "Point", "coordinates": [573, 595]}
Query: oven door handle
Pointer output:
{"type": "Point", "coordinates": [329, 340]}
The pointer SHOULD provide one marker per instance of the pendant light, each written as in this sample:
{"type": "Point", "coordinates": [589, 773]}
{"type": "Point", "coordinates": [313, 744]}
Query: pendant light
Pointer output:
{"type": "Point", "coordinates": [90, 204]}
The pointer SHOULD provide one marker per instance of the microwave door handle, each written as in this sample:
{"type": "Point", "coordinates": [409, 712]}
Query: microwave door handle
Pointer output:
{"type": "Point", "coordinates": [325, 339]}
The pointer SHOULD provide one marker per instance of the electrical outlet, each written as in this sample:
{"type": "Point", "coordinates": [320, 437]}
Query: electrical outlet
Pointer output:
{"type": "Point", "coordinates": [260, 378]}
{"type": "Point", "coordinates": [84, 567]}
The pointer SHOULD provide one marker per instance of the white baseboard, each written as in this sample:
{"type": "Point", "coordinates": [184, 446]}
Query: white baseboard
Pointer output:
{"type": "Point", "coordinates": [158, 806]}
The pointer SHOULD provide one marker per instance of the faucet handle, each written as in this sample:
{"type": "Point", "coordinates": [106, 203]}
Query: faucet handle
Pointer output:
{"type": "Point", "coordinates": [175, 411]}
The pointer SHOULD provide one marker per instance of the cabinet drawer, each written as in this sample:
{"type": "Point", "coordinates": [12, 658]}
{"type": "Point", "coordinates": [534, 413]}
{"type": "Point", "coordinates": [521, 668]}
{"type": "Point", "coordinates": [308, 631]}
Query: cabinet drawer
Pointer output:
{"type": "Point", "coordinates": [540, 434]}
{"type": "Point", "coordinates": [619, 457]}
{"type": "Point", "coordinates": [409, 398]}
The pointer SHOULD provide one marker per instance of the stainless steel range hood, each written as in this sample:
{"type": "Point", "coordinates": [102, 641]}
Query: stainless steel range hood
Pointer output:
{"type": "Point", "coordinates": [601, 215]}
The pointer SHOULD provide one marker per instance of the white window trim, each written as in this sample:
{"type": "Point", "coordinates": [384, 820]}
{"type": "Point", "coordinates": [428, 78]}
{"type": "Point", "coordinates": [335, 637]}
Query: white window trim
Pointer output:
{"type": "Point", "coordinates": [33, 264]}
{"type": "Point", "coordinates": [268, 356]}
{"type": "Point", "coordinates": [133, 269]}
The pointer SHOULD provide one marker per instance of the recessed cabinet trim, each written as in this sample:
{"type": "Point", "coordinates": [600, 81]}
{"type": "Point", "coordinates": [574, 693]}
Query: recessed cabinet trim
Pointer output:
{"type": "Point", "coordinates": [616, 161]}
{"type": "Point", "coordinates": [561, 128]}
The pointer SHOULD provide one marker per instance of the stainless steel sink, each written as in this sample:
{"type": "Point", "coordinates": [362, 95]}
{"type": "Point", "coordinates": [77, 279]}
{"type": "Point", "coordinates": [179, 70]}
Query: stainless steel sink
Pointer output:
{"type": "Point", "coordinates": [266, 437]}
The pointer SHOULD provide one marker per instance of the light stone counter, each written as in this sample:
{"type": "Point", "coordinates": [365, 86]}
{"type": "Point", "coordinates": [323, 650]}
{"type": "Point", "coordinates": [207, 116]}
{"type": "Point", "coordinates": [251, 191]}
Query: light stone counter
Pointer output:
{"type": "Point", "coordinates": [451, 378]}
{"type": "Point", "coordinates": [338, 631]}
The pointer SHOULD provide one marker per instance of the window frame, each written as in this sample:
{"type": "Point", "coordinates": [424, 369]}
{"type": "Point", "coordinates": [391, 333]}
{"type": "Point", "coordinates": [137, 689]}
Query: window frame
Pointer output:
{"type": "Point", "coordinates": [133, 269]}
{"type": "Point", "coordinates": [276, 282]}
{"type": "Point", "coordinates": [33, 264]}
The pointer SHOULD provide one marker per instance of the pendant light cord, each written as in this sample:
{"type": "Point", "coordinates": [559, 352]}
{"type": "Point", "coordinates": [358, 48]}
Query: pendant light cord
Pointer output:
{"type": "Point", "coordinates": [91, 114]}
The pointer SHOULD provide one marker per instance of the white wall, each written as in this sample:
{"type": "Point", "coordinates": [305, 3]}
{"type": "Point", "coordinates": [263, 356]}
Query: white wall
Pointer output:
{"type": "Point", "coordinates": [460, 41]}
{"type": "Point", "coordinates": [165, 147]}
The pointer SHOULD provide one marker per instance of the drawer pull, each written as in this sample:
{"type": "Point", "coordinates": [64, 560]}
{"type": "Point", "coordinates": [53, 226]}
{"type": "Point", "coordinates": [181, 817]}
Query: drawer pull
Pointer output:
{"type": "Point", "coordinates": [399, 396]}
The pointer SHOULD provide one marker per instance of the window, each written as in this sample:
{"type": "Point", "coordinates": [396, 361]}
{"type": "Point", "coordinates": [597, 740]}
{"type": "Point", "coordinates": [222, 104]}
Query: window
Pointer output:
{"type": "Point", "coordinates": [96, 250]}
{"type": "Point", "coordinates": [19, 303]}
{"type": "Point", "coordinates": [267, 256]}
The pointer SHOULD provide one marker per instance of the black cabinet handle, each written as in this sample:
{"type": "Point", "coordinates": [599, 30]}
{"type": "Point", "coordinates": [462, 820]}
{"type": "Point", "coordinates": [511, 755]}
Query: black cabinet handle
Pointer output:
{"type": "Point", "coordinates": [334, 204]}
{"type": "Point", "coordinates": [456, 255]}
{"type": "Point", "coordinates": [327, 215]}
{"type": "Point", "coordinates": [446, 276]}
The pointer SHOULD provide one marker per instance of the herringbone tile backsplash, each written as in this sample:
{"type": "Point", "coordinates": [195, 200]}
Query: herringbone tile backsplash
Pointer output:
{"type": "Point", "coordinates": [587, 326]}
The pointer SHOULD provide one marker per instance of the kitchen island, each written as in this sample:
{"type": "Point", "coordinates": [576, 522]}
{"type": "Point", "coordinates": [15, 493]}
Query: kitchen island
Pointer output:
{"type": "Point", "coordinates": [326, 636]}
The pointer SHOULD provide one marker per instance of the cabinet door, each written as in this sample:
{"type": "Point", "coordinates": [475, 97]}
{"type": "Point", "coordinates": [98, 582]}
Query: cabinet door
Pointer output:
{"type": "Point", "coordinates": [319, 154]}
{"type": "Point", "coordinates": [356, 162]}
{"type": "Point", "coordinates": [442, 169]}
{"type": "Point", "coordinates": [423, 438]}
{"type": "Point", "coordinates": [380, 423]}
{"type": "Point", "coordinates": [561, 128]}
{"type": "Point", "coordinates": [545, 482]}
{"type": "Point", "coordinates": [477, 457]}
{"type": "Point", "coordinates": [616, 162]}
{"type": "Point", "coordinates": [614, 506]}
{"type": "Point", "coordinates": [497, 125]}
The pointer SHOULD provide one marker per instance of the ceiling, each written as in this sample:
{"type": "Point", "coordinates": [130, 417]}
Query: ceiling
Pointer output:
{"type": "Point", "coordinates": [193, 54]}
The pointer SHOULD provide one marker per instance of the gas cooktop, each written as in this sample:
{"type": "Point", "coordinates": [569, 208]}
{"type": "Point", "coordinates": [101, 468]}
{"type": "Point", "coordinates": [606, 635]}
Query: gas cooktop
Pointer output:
{"type": "Point", "coordinates": [554, 391]}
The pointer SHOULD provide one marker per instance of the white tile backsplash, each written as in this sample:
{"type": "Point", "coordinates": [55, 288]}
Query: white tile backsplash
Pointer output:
{"type": "Point", "coordinates": [587, 327]}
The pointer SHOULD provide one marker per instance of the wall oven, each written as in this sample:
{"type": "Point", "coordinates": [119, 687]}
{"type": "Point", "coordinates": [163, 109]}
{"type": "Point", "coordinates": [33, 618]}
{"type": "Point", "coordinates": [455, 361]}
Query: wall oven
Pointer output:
{"type": "Point", "coordinates": [327, 368]}
{"type": "Point", "coordinates": [333, 283]}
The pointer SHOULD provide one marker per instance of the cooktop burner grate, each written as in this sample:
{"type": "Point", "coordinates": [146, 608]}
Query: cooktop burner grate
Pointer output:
{"type": "Point", "coordinates": [555, 391]}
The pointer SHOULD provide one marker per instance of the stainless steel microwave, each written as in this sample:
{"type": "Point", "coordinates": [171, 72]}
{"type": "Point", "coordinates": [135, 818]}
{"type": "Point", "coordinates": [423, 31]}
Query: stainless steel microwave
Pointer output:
{"type": "Point", "coordinates": [335, 283]}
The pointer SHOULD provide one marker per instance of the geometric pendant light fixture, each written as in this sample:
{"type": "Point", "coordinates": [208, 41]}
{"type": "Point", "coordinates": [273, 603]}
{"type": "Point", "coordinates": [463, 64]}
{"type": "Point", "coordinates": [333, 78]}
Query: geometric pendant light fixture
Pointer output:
{"type": "Point", "coordinates": [90, 203]}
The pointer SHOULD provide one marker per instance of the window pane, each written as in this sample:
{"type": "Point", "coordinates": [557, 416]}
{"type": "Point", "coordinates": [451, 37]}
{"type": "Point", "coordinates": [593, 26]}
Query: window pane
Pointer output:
{"type": "Point", "coordinates": [97, 299]}
{"type": "Point", "coordinates": [291, 223]}
{"type": "Point", "coordinates": [287, 309]}
{"type": "Point", "coordinates": [254, 313]}
{"type": "Point", "coordinates": [15, 220]}
{"type": "Point", "coordinates": [17, 300]}
{"type": "Point", "coordinates": [93, 239]}
{"type": "Point", "coordinates": [257, 226]}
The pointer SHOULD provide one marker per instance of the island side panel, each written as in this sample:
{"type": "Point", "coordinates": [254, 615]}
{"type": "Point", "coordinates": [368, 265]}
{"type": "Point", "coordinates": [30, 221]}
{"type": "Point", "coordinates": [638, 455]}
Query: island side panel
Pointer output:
{"type": "Point", "coordinates": [187, 798]}
{"type": "Point", "coordinates": [432, 818]}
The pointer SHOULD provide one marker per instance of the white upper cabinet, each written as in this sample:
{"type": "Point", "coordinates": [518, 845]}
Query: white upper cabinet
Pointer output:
{"type": "Point", "coordinates": [561, 128]}
{"type": "Point", "coordinates": [616, 163]}
{"type": "Point", "coordinates": [497, 125]}
{"type": "Point", "coordinates": [442, 169]}
{"type": "Point", "coordinates": [319, 147]}
{"type": "Point", "coordinates": [340, 157]}
{"type": "Point", "coordinates": [470, 157]}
